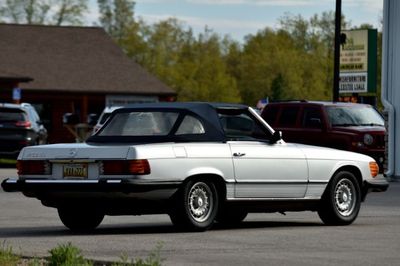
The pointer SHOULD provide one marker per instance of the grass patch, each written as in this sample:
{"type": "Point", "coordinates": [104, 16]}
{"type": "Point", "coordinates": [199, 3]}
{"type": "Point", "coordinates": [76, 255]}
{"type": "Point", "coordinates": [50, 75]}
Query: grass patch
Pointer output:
{"type": "Point", "coordinates": [8, 161]}
{"type": "Point", "coordinates": [69, 255]}
{"type": "Point", "coordinates": [154, 259]}
{"type": "Point", "coordinates": [7, 257]}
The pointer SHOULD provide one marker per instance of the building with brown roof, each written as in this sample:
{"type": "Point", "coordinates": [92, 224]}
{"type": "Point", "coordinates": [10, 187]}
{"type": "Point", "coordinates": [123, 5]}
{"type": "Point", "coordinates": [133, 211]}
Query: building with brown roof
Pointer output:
{"type": "Point", "coordinates": [71, 70]}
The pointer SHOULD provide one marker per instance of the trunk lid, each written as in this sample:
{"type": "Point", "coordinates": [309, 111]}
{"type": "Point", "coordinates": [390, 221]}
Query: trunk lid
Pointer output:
{"type": "Point", "coordinates": [75, 151]}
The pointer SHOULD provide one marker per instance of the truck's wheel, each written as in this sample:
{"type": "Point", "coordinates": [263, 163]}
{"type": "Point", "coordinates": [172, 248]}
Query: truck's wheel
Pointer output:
{"type": "Point", "coordinates": [196, 206]}
{"type": "Point", "coordinates": [341, 201]}
{"type": "Point", "coordinates": [80, 220]}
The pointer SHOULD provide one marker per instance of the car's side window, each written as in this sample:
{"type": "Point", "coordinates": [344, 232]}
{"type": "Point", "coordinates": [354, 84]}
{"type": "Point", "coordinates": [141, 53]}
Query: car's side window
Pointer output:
{"type": "Point", "coordinates": [140, 124]}
{"type": "Point", "coordinates": [190, 125]}
{"type": "Point", "coordinates": [242, 127]}
{"type": "Point", "coordinates": [270, 113]}
{"type": "Point", "coordinates": [311, 118]}
{"type": "Point", "coordinates": [288, 117]}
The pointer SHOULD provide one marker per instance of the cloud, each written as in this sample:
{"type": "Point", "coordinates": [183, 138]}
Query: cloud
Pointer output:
{"type": "Point", "coordinates": [211, 23]}
{"type": "Point", "coordinates": [368, 5]}
{"type": "Point", "coordinates": [260, 2]}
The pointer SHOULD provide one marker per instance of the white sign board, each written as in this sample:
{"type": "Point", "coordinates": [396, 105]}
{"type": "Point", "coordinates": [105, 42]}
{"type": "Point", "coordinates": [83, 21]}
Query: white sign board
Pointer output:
{"type": "Point", "coordinates": [121, 100]}
{"type": "Point", "coordinates": [353, 82]}
{"type": "Point", "coordinates": [354, 62]}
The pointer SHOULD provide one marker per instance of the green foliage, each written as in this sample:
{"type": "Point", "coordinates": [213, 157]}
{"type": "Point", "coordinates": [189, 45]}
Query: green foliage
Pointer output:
{"type": "Point", "coordinates": [116, 17]}
{"type": "Point", "coordinates": [154, 259]}
{"type": "Point", "coordinates": [294, 61]}
{"type": "Point", "coordinates": [7, 258]}
{"type": "Point", "coordinates": [67, 255]}
{"type": "Point", "coordinates": [194, 66]}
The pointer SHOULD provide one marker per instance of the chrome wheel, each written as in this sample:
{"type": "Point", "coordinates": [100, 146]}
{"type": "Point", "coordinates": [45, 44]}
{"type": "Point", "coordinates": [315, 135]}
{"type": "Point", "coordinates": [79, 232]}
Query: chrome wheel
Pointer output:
{"type": "Point", "coordinates": [344, 197]}
{"type": "Point", "coordinates": [195, 206]}
{"type": "Point", "coordinates": [341, 201]}
{"type": "Point", "coordinates": [200, 202]}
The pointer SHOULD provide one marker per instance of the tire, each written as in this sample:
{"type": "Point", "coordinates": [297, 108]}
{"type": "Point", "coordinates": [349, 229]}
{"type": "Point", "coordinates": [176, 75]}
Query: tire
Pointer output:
{"type": "Point", "coordinates": [341, 201]}
{"type": "Point", "coordinates": [231, 216]}
{"type": "Point", "coordinates": [196, 206]}
{"type": "Point", "coordinates": [80, 220]}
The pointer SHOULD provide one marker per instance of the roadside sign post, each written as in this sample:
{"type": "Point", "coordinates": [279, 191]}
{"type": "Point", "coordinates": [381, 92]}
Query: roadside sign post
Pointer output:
{"type": "Point", "coordinates": [358, 62]}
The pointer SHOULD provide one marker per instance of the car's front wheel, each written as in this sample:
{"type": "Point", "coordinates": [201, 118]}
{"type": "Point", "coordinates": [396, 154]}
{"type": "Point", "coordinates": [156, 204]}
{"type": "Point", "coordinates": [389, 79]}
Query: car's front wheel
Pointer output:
{"type": "Point", "coordinates": [80, 219]}
{"type": "Point", "coordinates": [196, 206]}
{"type": "Point", "coordinates": [341, 201]}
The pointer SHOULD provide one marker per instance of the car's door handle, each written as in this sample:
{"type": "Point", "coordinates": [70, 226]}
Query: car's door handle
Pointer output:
{"type": "Point", "coordinates": [239, 154]}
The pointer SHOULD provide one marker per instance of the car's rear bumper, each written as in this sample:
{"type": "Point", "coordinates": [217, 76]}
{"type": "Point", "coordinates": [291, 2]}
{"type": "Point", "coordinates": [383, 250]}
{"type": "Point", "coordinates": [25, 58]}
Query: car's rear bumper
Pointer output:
{"type": "Point", "coordinates": [34, 186]}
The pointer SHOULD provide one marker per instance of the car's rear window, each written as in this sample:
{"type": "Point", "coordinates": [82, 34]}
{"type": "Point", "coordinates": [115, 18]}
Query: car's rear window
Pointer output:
{"type": "Point", "coordinates": [146, 123]}
{"type": "Point", "coordinates": [11, 115]}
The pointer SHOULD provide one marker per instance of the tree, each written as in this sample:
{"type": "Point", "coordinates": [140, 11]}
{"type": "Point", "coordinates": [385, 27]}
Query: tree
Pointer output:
{"type": "Point", "coordinates": [52, 12]}
{"type": "Point", "coordinates": [70, 12]}
{"type": "Point", "coordinates": [194, 67]}
{"type": "Point", "coordinates": [116, 17]}
{"type": "Point", "coordinates": [278, 87]}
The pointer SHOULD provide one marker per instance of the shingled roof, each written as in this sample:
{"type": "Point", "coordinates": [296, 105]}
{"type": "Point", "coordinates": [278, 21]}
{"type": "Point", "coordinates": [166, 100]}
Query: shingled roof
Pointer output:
{"type": "Point", "coordinates": [72, 59]}
{"type": "Point", "coordinates": [7, 75]}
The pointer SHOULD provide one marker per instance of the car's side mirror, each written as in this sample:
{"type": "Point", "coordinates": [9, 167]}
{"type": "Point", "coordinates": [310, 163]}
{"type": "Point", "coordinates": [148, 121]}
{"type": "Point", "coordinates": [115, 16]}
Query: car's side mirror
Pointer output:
{"type": "Point", "coordinates": [277, 136]}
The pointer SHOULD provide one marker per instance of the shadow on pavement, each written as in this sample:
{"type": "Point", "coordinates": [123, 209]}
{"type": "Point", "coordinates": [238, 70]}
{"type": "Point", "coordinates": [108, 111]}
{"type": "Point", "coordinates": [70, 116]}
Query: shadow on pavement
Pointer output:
{"type": "Point", "coordinates": [140, 229]}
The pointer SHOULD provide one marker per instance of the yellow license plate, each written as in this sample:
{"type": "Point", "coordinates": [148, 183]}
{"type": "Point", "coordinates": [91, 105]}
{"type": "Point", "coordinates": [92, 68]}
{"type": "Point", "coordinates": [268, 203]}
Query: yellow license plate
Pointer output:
{"type": "Point", "coordinates": [75, 171]}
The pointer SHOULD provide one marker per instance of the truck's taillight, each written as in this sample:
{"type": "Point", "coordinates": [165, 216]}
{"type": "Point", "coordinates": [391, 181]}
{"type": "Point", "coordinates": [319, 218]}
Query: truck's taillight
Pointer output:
{"type": "Point", "coordinates": [33, 167]}
{"type": "Point", "coordinates": [132, 167]}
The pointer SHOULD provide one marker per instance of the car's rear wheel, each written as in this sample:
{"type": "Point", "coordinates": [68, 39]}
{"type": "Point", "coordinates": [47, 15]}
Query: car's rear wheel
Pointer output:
{"type": "Point", "coordinates": [341, 201]}
{"type": "Point", "coordinates": [80, 219]}
{"type": "Point", "coordinates": [196, 206]}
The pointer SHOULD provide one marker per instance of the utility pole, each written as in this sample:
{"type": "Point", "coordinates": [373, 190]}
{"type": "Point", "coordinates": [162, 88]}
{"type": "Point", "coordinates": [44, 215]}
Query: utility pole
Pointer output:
{"type": "Point", "coordinates": [338, 20]}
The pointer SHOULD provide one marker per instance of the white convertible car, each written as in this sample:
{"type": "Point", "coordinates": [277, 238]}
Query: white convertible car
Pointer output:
{"type": "Point", "coordinates": [197, 162]}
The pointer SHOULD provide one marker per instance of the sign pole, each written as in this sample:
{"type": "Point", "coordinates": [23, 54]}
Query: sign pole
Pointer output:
{"type": "Point", "coordinates": [338, 19]}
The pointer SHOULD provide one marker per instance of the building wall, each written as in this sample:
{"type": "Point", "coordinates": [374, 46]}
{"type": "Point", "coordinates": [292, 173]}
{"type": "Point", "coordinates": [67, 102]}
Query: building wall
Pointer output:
{"type": "Point", "coordinates": [391, 82]}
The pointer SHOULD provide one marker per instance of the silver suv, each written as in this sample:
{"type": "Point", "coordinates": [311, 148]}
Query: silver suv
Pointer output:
{"type": "Point", "coordinates": [20, 126]}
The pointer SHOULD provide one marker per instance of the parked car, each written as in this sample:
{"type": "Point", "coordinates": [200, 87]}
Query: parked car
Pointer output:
{"type": "Point", "coordinates": [20, 126]}
{"type": "Point", "coordinates": [197, 162]}
{"type": "Point", "coordinates": [346, 126]}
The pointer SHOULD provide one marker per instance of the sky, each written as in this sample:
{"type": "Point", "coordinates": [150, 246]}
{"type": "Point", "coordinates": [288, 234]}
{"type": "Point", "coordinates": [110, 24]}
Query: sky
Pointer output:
{"type": "Point", "coordinates": [238, 18]}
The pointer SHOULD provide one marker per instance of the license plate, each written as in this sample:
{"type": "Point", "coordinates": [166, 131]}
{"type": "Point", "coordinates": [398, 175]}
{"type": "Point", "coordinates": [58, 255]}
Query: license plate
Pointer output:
{"type": "Point", "coordinates": [75, 170]}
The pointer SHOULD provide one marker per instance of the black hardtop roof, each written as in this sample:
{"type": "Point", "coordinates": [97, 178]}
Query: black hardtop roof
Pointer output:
{"type": "Point", "coordinates": [185, 105]}
{"type": "Point", "coordinates": [207, 113]}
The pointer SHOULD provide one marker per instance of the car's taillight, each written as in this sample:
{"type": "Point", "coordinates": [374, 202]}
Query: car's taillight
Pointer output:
{"type": "Point", "coordinates": [132, 167]}
{"type": "Point", "coordinates": [33, 167]}
{"type": "Point", "coordinates": [374, 169]}
{"type": "Point", "coordinates": [25, 124]}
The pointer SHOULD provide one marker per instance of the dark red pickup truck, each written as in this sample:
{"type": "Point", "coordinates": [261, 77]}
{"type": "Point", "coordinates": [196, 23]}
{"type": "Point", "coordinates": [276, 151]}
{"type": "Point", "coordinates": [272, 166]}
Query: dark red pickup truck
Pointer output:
{"type": "Point", "coordinates": [346, 126]}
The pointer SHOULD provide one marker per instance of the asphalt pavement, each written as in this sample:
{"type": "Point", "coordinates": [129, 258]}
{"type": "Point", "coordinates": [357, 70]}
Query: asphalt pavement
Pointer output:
{"type": "Point", "coordinates": [262, 239]}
